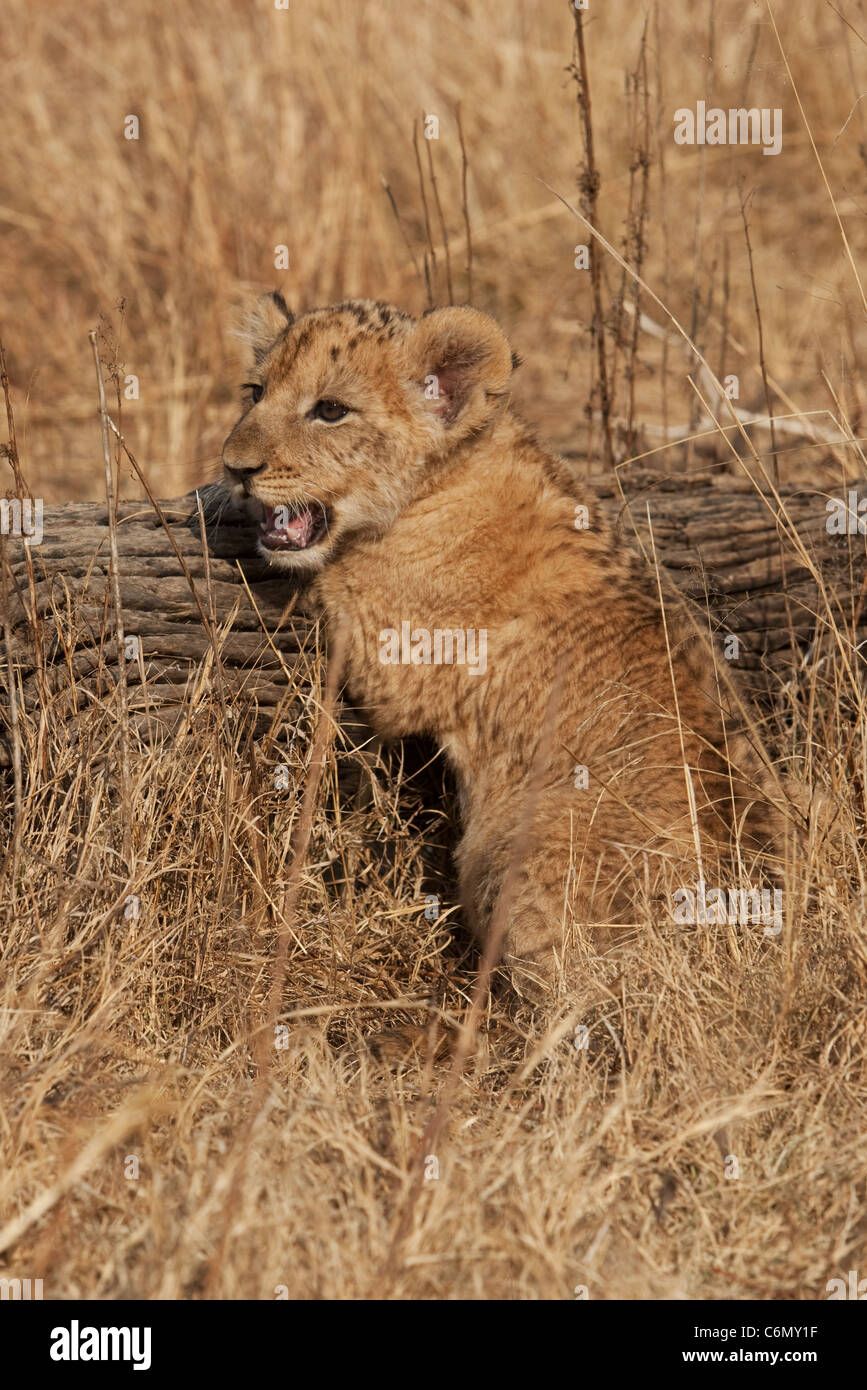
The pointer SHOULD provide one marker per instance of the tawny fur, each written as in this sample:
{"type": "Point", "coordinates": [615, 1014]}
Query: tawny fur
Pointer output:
{"type": "Point", "coordinates": [444, 512]}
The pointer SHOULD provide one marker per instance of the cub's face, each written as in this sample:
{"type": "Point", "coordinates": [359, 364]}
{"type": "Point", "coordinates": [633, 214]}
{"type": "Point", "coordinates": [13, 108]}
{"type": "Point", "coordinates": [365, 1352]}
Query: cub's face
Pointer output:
{"type": "Point", "coordinates": [345, 411]}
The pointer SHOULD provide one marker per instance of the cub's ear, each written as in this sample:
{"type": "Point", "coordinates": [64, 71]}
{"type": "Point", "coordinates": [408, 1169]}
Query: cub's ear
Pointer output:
{"type": "Point", "coordinates": [263, 322]}
{"type": "Point", "coordinates": [462, 361]}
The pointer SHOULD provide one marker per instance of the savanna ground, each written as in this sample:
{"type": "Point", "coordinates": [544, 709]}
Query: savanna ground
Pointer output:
{"type": "Point", "coordinates": [156, 1142]}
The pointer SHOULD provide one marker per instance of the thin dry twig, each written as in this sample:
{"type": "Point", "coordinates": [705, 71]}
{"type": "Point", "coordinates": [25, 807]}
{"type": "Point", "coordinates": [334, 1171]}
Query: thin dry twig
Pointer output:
{"type": "Point", "coordinates": [589, 184]}
{"type": "Point", "coordinates": [430, 255]}
{"type": "Point", "coordinates": [111, 503]}
{"type": "Point", "coordinates": [465, 207]}
{"type": "Point", "coordinates": [442, 221]}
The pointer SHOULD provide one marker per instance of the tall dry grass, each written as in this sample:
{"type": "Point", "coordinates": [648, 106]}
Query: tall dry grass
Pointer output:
{"type": "Point", "coordinates": [162, 1140]}
{"type": "Point", "coordinates": [156, 1140]}
{"type": "Point", "coordinates": [261, 128]}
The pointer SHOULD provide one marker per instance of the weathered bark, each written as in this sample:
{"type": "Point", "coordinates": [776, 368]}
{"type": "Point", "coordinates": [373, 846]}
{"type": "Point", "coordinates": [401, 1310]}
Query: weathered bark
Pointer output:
{"type": "Point", "coordinates": [767, 571]}
{"type": "Point", "coordinates": [60, 605]}
{"type": "Point", "coordinates": [721, 540]}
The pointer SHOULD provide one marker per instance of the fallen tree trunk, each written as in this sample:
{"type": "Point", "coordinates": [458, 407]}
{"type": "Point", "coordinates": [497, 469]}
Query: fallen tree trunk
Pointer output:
{"type": "Point", "coordinates": [768, 572]}
{"type": "Point", "coordinates": [766, 567]}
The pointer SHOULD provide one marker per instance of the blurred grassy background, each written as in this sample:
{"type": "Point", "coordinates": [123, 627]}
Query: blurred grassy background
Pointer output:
{"type": "Point", "coordinates": [261, 127]}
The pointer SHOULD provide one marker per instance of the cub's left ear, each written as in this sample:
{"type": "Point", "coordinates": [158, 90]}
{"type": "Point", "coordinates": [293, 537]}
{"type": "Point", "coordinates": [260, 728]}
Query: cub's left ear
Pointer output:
{"type": "Point", "coordinates": [264, 321]}
{"type": "Point", "coordinates": [462, 360]}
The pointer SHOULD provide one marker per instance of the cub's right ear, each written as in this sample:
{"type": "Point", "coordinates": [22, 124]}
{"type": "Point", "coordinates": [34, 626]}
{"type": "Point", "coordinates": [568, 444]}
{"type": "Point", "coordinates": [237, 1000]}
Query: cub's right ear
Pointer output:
{"type": "Point", "coordinates": [465, 363]}
{"type": "Point", "coordinates": [263, 323]}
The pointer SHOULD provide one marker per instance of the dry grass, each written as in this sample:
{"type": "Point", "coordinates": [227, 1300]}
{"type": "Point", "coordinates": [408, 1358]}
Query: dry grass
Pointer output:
{"type": "Point", "coordinates": [559, 1166]}
{"type": "Point", "coordinates": [263, 127]}
{"type": "Point", "coordinates": [148, 1036]}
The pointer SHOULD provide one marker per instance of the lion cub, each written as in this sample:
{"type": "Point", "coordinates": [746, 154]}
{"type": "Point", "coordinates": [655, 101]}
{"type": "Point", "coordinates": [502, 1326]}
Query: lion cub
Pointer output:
{"type": "Point", "coordinates": [484, 602]}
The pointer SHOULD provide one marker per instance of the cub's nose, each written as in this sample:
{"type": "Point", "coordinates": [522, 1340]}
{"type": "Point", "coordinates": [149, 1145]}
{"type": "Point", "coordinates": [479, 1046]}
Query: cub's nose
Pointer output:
{"type": "Point", "coordinates": [241, 472]}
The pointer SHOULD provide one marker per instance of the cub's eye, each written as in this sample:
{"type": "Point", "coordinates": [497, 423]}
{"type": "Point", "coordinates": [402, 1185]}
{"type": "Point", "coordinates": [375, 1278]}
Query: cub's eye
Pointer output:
{"type": "Point", "coordinates": [256, 389]}
{"type": "Point", "coordinates": [330, 411]}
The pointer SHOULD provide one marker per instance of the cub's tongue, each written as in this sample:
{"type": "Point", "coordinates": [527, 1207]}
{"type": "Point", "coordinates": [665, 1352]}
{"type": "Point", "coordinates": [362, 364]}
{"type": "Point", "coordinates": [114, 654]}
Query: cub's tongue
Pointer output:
{"type": "Point", "coordinates": [284, 528]}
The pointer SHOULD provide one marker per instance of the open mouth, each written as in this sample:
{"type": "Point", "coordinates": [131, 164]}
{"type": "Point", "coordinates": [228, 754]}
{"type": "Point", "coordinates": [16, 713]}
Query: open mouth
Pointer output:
{"type": "Point", "coordinates": [293, 528]}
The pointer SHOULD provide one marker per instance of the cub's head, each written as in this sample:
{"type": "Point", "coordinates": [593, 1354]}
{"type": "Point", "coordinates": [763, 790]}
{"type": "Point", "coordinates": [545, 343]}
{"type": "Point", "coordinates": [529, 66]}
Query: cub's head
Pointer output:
{"type": "Point", "coordinates": [346, 411]}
